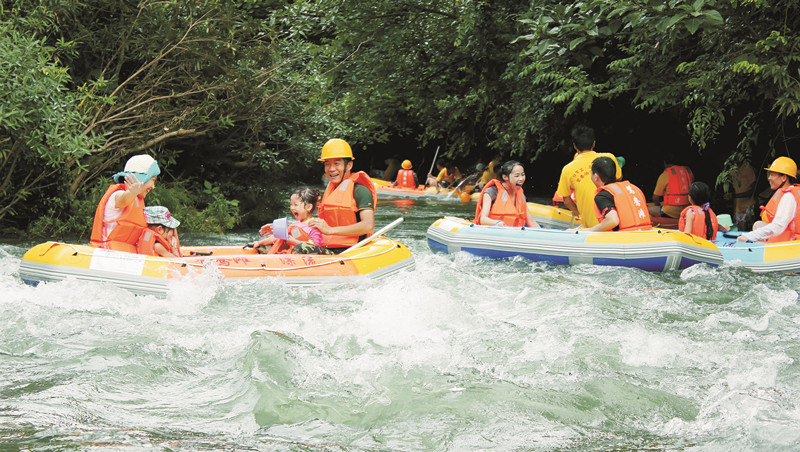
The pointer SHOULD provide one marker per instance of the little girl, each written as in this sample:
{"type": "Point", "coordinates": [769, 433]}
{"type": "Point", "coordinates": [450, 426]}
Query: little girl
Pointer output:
{"type": "Point", "coordinates": [302, 203]}
{"type": "Point", "coordinates": [699, 219]}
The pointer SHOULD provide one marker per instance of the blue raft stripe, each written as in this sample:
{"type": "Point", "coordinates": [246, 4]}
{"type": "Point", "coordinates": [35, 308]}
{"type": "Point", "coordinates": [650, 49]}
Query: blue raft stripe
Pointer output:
{"type": "Point", "coordinates": [437, 247]}
{"type": "Point", "coordinates": [651, 264]}
{"type": "Point", "coordinates": [550, 235]}
{"type": "Point", "coordinates": [497, 254]}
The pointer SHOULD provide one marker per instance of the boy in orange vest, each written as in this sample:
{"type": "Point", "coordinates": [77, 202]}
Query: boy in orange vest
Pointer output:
{"type": "Point", "coordinates": [619, 206]}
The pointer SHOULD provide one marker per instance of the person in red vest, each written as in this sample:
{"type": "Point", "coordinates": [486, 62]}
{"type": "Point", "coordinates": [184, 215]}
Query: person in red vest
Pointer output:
{"type": "Point", "coordinates": [671, 194]}
{"type": "Point", "coordinates": [619, 206]}
{"type": "Point", "coordinates": [502, 201]}
{"type": "Point", "coordinates": [119, 218]}
{"type": "Point", "coordinates": [781, 216]}
{"type": "Point", "coordinates": [406, 178]}
{"type": "Point", "coordinates": [347, 208]}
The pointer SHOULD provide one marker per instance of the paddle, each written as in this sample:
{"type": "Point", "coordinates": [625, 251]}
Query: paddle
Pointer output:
{"type": "Point", "coordinates": [381, 231]}
{"type": "Point", "coordinates": [430, 171]}
{"type": "Point", "coordinates": [456, 189]}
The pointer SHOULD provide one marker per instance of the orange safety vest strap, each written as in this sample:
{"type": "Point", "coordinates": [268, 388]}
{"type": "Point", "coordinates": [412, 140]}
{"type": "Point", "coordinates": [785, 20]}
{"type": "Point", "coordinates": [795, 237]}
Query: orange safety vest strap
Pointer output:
{"type": "Point", "coordinates": [128, 227]}
{"type": "Point", "coordinates": [630, 204]}
{"type": "Point", "coordinates": [338, 208]}
{"type": "Point", "coordinates": [677, 190]}
{"type": "Point", "coordinates": [769, 211]}
{"type": "Point", "coordinates": [147, 243]}
{"type": "Point", "coordinates": [405, 179]}
{"type": "Point", "coordinates": [699, 222]}
{"type": "Point", "coordinates": [512, 212]}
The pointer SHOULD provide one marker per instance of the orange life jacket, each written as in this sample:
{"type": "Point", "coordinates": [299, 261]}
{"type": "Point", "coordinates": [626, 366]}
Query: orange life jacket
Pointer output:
{"type": "Point", "coordinates": [630, 204]}
{"type": "Point", "coordinates": [677, 190]}
{"type": "Point", "coordinates": [147, 243]}
{"type": "Point", "coordinates": [768, 214]}
{"type": "Point", "coordinates": [512, 212]}
{"type": "Point", "coordinates": [128, 227]}
{"type": "Point", "coordinates": [280, 246]}
{"type": "Point", "coordinates": [699, 222]}
{"type": "Point", "coordinates": [405, 179]}
{"type": "Point", "coordinates": [338, 208]}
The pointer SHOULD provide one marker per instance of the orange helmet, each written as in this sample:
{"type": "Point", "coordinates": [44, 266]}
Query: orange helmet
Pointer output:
{"type": "Point", "coordinates": [406, 164]}
{"type": "Point", "coordinates": [336, 148]}
{"type": "Point", "coordinates": [784, 165]}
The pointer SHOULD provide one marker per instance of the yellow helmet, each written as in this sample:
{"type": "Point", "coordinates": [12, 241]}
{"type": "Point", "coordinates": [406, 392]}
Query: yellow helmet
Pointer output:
{"type": "Point", "coordinates": [406, 164]}
{"type": "Point", "coordinates": [336, 148]}
{"type": "Point", "coordinates": [784, 165]}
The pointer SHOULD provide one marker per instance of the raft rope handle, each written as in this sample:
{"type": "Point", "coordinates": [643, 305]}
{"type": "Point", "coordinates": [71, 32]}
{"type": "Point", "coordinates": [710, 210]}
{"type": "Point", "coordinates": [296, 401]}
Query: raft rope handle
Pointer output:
{"type": "Point", "coordinates": [337, 261]}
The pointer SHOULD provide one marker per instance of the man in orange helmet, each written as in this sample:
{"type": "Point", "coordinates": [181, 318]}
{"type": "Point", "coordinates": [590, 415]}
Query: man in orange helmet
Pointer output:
{"type": "Point", "coordinates": [780, 217]}
{"type": "Point", "coordinates": [406, 177]}
{"type": "Point", "coordinates": [347, 208]}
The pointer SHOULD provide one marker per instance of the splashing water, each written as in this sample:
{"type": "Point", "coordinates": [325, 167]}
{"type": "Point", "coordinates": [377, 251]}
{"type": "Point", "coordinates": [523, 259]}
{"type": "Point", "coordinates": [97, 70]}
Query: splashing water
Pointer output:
{"type": "Point", "coordinates": [458, 354]}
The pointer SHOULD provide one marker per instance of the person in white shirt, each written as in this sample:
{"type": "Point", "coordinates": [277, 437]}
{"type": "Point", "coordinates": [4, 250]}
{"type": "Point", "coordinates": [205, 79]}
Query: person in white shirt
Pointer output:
{"type": "Point", "coordinates": [779, 217]}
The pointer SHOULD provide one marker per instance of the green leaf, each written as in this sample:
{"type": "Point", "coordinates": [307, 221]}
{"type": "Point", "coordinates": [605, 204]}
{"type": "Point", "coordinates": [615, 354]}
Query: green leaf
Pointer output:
{"type": "Point", "coordinates": [576, 42]}
{"type": "Point", "coordinates": [693, 25]}
{"type": "Point", "coordinates": [713, 17]}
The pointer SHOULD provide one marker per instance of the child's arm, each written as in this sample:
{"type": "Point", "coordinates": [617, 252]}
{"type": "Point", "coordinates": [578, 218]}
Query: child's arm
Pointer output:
{"type": "Point", "coordinates": [687, 228]}
{"type": "Point", "coordinates": [162, 251]}
{"type": "Point", "coordinates": [266, 241]}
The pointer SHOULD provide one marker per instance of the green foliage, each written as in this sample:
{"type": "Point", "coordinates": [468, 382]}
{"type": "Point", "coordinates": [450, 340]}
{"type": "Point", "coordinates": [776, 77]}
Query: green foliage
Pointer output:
{"type": "Point", "coordinates": [205, 210]}
{"type": "Point", "coordinates": [40, 126]}
{"type": "Point", "coordinates": [711, 60]}
{"type": "Point", "coordinates": [243, 93]}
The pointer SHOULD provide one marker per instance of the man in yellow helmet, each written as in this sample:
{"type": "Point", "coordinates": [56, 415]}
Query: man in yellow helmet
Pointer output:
{"type": "Point", "coordinates": [406, 178]}
{"type": "Point", "coordinates": [347, 209]}
{"type": "Point", "coordinates": [781, 216]}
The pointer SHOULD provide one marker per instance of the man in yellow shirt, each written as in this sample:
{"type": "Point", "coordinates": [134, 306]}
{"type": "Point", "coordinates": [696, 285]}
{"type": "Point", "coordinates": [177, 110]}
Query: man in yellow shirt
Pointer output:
{"type": "Point", "coordinates": [577, 176]}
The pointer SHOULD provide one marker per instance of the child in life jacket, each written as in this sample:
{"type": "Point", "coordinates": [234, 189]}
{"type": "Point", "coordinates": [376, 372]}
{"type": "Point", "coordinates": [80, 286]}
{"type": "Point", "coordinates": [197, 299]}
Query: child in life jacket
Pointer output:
{"type": "Point", "coordinates": [302, 203]}
{"type": "Point", "coordinates": [161, 236]}
{"type": "Point", "coordinates": [698, 218]}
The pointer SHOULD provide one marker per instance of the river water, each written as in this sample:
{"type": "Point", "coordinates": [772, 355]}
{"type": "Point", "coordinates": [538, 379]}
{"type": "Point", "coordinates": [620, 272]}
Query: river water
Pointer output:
{"type": "Point", "coordinates": [458, 354]}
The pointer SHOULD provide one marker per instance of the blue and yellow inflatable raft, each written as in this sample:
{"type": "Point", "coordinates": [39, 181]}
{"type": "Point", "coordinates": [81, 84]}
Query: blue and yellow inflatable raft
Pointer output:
{"type": "Point", "coordinates": [656, 250]}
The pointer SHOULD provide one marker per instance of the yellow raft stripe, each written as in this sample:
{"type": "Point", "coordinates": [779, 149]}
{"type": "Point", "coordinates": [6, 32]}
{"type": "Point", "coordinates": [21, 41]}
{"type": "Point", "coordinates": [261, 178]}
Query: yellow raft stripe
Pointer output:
{"type": "Point", "coordinates": [653, 236]}
{"type": "Point", "coordinates": [781, 251]}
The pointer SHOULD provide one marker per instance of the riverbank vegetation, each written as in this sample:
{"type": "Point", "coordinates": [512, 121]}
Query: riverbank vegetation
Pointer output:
{"type": "Point", "coordinates": [235, 98]}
